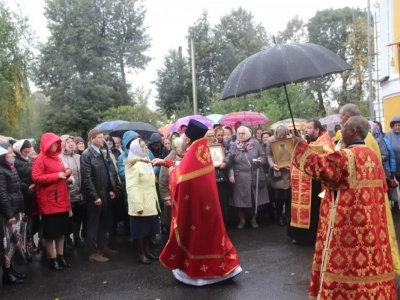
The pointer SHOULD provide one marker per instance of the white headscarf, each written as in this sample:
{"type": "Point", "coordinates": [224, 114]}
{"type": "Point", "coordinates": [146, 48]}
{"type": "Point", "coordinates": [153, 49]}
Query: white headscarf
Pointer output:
{"type": "Point", "coordinates": [135, 151]}
{"type": "Point", "coordinates": [247, 134]}
{"type": "Point", "coordinates": [17, 148]}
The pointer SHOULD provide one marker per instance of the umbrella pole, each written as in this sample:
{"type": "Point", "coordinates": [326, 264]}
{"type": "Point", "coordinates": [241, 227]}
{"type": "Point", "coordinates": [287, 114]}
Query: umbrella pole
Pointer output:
{"type": "Point", "coordinates": [290, 109]}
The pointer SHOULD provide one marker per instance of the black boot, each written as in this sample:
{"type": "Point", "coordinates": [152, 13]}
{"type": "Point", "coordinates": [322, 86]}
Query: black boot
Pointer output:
{"type": "Point", "coordinates": [61, 262]}
{"type": "Point", "coordinates": [53, 265]}
{"type": "Point", "coordinates": [15, 273]}
{"type": "Point", "coordinates": [9, 278]}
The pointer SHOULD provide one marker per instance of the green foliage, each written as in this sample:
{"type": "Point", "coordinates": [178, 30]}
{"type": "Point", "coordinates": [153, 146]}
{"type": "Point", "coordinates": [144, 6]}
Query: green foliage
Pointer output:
{"type": "Point", "coordinates": [82, 65]}
{"type": "Point", "coordinates": [15, 56]}
{"type": "Point", "coordinates": [272, 103]}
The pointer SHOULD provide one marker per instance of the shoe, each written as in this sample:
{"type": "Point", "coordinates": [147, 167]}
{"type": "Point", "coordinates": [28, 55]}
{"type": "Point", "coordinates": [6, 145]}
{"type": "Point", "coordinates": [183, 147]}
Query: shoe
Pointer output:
{"type": "Point", "coordinates": [281, 223]}
{"type": "Point", "coordinates": [78, 243]}
{"type": "Point", "coordinates": [15, 273]}
{"type": "Point", "coordinates": [241, 225]}
{"type": "Point", "coordinates": [10, 278]}
{"type": "Point", "coordinates": [108, 252]}
{"type": "Point", "coordinates": [61, 261]}
{"type": "Point", "coordinates": [144, 260]}
{"type": "Point", "coordinates": [152, 257]}
{"type": "Point", "coordinates": [254, 224]}
{"type": "Point", "coordinates": [96, 257]}
{"type": "Point", "coordinates": [294, 241]}
{"type": "Point", "coordinates": [53, 265]}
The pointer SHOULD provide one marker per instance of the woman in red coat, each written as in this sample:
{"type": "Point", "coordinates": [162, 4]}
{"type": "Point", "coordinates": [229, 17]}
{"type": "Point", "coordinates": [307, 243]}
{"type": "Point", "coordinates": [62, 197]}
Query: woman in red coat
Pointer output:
{"type": "Point", "coordinates": [50, 177]}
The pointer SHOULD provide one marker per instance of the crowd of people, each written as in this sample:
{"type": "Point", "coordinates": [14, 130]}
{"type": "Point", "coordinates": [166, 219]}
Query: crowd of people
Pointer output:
{"type": "Point", "coordinates": [89, 193]}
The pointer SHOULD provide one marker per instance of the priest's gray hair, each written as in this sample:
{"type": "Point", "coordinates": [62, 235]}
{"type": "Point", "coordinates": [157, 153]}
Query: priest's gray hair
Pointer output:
{"type": "Point", "coordinates": [351, 110]}
{"type": "Point", "coordinates": [360, 124]}
{"type": "Point", "coordinates": [178, 143]}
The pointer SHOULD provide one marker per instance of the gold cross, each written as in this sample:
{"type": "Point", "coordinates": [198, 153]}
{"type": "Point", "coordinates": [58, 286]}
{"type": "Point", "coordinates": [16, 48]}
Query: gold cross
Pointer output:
{"type": "Point", "coordinates": [233, 256]}
{"type": "Point", "coordinates": [172, 257]}
{"type": "Point", "coordinates": [193, 228]}
{"type": "Point", "coordinates": [222, 266]}
{"type": "Point", "coordinates": [369, 164]}
{"type": "Point", "coordinates": [186, 263]}
{"type": "Point", "coordinates": [187, 197]}
{"type": "Point", "coordinates": [208, 207]}
{"type": "Point", "coordinates": [204, 268]}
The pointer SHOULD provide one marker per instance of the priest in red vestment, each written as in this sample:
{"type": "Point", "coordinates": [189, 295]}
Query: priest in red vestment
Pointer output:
{"type": "Point", "coordinates": [306, 201]}
{"type": "Point", "coordinates": [199, 250]}
{"type": "Point", "coordinates": [353, 255]}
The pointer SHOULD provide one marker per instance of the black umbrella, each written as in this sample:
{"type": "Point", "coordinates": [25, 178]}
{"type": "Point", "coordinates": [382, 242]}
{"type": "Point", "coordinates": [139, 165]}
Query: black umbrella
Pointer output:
{"type": "Point", "coordinates": [281, 65]}
{"type": "Point", "coordinates": [145, 130]}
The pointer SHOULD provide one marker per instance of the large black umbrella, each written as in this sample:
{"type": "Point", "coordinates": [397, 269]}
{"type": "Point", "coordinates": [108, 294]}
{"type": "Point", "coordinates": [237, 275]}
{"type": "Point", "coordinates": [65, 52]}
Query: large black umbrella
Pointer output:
{"type": "Point", "coordinates": [281, 65]}
{"type": "Point", "coordinates": [145, 130]}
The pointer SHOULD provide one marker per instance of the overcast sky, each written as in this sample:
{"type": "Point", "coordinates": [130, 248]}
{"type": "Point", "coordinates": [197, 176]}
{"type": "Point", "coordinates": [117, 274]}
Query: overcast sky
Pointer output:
{"type": "Point", "coordinates": [168, 21]}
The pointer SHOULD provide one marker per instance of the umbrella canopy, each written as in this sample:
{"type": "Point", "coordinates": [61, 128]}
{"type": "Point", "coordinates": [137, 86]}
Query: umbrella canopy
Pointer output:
{"type": "Point", "coordinates": [184, 121]}
{"type": "Point", "coordinates": [215, 118]}
{"type": "Point", "coordinates": [164, 130]}
{"type": "Point", "coordinates": [281, 65]}
{"type": "Point", "coordinates": [330, 121]}
{"type": "Point", "coordinates": [145, 130]}
{"type": "Point", "coordinates": [252, 118]}
{"type": "Point", "coordinates": [110, 125]}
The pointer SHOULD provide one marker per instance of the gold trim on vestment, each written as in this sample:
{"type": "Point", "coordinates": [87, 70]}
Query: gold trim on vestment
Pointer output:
{"type": "Point", "coordinates": [191, 256]}
{"type": "Point", "coordinates": [332, 277]}
{"type": "Point", "coordinates": [195, 174]}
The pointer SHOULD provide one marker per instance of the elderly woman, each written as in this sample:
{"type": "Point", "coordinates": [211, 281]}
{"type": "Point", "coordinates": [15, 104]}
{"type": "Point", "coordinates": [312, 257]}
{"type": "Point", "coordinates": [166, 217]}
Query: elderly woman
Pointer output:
{"type": "Point", "coordinates": [246, 154]}
{"type": "Point", "coordinates": [143, 205]}
{"type": "Point", "coordinates": [265, 135]}
{"type": "Point", "coordinates": [280, 177]}
{"type": "Point", "coordinates": [23, 165]}
{"type": "Point", "coordinates": [72, 161]}
{"type": "Point", "coordinates": [163, 181]}
{"type": "Point", "coordinates": [11, 212]}
{"type": "Point", "coordinates": [393, 137]}
{"type": "Point", "coordinates": [50, 177]}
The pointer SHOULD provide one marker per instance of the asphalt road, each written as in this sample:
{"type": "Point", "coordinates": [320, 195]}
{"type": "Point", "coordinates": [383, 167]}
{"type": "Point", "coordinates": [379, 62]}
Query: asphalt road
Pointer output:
{"type": "Point", "coordinates": [273, 268]}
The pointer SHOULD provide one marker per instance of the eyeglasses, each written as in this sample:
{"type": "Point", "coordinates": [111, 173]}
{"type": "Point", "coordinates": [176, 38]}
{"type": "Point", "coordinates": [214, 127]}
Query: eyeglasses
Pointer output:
{"type": "Point", "coordinates": [210, 136]}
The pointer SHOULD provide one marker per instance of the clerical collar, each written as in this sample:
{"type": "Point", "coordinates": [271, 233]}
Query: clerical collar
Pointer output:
{"type": "Point", "coordinates": [355, 142]}
{"type": "Point", "coordinates": [96, 148]}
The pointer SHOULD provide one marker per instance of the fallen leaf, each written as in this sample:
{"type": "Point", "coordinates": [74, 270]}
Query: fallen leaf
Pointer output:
{"type": "Point", "coordinates": [292, 274]}
{"type": "Point", "coordinates": [246, 272]}
{"type": "Point", "coordinates": [104, 282]}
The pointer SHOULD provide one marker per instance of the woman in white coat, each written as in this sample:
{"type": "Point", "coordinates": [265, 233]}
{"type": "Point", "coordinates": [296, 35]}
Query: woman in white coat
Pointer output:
{"type": "Point", "coordinates": [143, 206]}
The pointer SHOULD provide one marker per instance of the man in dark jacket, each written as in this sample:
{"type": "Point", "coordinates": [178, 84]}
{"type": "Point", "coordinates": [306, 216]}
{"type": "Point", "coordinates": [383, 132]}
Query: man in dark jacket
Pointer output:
{"type": "Point", "coordinates": [98, 183]}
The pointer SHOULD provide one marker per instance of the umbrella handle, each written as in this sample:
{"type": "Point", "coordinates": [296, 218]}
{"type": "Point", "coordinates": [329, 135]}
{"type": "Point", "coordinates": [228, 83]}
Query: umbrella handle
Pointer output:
{"type": "Point", "coordinates": [290, 109]}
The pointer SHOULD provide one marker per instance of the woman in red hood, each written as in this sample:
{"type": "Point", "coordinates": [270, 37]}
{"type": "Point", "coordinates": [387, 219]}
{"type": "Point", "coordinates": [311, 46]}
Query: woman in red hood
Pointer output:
{"type": "Point", "coordinates": [50, 177]}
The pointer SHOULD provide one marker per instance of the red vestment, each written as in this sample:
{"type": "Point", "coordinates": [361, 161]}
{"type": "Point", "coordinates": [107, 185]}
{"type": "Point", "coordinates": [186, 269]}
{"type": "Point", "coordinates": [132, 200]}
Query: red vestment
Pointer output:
{"type": "Point", "coordinates": [352, 257]}
{"type": "Point", "coordinates": [301, 187]}
{"type": "Point", "coordinates": [198, 243]}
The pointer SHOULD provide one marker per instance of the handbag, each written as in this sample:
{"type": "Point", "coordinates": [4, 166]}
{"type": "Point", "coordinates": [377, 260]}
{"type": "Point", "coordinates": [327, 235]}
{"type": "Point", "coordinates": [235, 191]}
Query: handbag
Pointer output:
{"type": "Point", "coordinates": [262, 180]}
{"type": "Point", "coordinates": [274, 174]}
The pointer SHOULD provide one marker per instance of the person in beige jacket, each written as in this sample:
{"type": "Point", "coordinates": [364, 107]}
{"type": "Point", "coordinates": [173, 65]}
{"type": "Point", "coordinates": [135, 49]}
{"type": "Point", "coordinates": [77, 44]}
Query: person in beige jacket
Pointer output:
{"type": "Point", "coordinates": [143, 207]}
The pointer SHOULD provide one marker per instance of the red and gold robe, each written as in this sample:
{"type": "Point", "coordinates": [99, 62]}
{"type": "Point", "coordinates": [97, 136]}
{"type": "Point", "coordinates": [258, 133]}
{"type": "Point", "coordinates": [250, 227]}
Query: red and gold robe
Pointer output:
{"type": "Point", "coordinates": [198, 243]}
{"type": "Point", "coordinates": [301, 187]}
{"type": "Point", "coordinates": [353, 256]}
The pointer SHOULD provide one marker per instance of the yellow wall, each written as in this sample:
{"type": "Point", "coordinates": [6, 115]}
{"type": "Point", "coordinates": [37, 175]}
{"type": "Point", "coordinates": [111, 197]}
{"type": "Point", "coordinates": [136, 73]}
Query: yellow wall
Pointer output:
{"type": "Point", "coordinates": [391, 108]}
{"type": "Point", "coordinates": [396, 31]}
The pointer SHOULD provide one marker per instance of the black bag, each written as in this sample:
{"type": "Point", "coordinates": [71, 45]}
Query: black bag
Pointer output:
{"type": "Point", "coordinates": [262, 180]}
{"type": "Point", "coordinates": [274, 174]}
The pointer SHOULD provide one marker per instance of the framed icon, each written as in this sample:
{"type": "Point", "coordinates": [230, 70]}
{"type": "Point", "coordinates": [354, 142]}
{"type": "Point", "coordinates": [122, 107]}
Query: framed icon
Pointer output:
{"type": "Point", "coordinates": [217, 154]}
{"type": "Point", "coordinates": [282, 152]}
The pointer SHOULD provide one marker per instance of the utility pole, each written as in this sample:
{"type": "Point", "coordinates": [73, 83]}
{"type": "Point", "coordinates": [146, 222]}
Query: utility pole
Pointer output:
{"type": "Point", "coordinates": [371, 100]}
{"type": "Point", "coordinates": [195, 106]}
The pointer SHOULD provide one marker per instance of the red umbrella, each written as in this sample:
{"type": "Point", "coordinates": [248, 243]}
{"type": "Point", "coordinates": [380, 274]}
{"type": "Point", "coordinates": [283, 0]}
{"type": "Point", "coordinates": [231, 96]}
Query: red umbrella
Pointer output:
{"type": "Point", "coordinates": [164, 130]}
{"type": "Point", "coordinates": [252, 118]}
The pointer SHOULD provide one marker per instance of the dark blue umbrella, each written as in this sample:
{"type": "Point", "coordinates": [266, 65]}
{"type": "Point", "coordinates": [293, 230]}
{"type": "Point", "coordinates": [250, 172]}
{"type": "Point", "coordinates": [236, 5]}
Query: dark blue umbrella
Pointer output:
{"type": "Point", "coordinates": [281, 65]}
{"type": "Point", "coordinates": [145, 130]}
{"type": "Point", "coordinates": [110, 125]}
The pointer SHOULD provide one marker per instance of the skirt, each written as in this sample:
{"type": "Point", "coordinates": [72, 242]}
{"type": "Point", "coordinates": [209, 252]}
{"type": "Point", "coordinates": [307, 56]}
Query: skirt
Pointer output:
{"type": "Point", "coordinates": [55, 225]}
{"type": "Point", "coordinates": [142, 227]}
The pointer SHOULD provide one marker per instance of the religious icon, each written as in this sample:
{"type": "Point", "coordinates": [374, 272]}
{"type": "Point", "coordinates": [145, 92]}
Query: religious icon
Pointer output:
{"type": "Point", "coordinates": [282, 152]}
{"type": "Point", "coordinates": [217, 154]}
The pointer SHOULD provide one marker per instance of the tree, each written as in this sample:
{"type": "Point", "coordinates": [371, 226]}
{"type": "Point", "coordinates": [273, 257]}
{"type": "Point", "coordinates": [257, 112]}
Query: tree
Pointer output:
{"type": "Point", "coordinates": [15, 57]}
{"type": "Point", "coordinates": [128, 38]}
{"type": "Point", "coordinates": [80, 65]}
{"type": "Point", "coordinates": [332, 29]}
{"type": "Point", "coordinates": [295, 32]}
{"type": "Point", "coordinates": [237, 37]}
{"type": "Point", "coordinates": [173, 82]}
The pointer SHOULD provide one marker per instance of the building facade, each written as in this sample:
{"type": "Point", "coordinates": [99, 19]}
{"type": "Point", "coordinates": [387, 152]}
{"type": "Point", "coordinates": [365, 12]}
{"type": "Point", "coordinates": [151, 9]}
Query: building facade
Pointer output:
{"type": "Point", "coordinates": [388, 55]}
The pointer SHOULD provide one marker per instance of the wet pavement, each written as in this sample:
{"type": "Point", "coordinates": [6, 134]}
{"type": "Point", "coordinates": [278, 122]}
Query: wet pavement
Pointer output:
{"type": "Point", "coordinates": [273, 268]}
